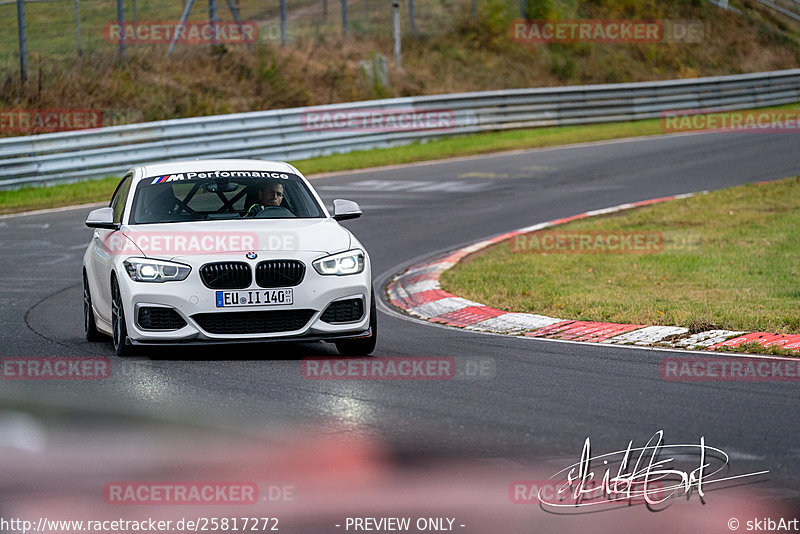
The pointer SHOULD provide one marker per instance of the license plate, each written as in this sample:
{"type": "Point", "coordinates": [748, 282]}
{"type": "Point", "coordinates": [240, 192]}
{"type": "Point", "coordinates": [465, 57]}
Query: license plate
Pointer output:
{"type": "Point", "coordinates": [258, 297]}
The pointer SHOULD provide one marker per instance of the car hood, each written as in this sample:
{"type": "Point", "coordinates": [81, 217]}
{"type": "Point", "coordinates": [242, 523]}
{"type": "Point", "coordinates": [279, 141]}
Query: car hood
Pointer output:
{"type": "Point", "coordinates": [177, 240]}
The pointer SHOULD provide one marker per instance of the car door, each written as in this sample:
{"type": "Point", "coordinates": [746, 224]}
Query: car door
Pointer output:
{"type": "Point", "coordinates": [103, 252]}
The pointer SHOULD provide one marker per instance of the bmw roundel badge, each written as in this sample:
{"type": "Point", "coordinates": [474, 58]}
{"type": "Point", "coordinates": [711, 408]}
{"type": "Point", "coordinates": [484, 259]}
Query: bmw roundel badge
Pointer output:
{"type": "Point", "coordinates": [251, 255]}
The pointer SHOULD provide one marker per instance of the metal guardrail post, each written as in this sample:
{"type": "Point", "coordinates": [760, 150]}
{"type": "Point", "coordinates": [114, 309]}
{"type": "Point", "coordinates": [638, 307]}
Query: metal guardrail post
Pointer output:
{"type": "Point", "coordinates": [121, 22]}
{"type": "Point", "coordinates": [284, 16]}
{"type": "Point", "coordinates": [344, 18]}
{"type": "Point", "coordinates": [23, 42]}
{"type": "Point", "coordinates": [398, 59]}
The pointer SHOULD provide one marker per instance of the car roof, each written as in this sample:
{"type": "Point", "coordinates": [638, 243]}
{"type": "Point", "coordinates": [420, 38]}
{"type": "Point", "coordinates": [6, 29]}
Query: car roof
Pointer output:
{"type": "Point", "coordinates": [173, 167]}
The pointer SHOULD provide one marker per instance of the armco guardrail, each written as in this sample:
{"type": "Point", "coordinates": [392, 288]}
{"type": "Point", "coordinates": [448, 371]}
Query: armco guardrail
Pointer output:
{"type": "Point", "coordinates": [283, 134]}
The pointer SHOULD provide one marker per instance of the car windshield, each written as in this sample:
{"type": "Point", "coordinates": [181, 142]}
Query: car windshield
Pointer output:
{"type": "Point", "coordinates": [220, 195]}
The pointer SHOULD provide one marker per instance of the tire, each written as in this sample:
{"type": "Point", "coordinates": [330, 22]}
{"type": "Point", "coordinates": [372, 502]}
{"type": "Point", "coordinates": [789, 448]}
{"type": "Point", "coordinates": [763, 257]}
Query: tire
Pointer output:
{"type": "Point", "coordinates": [364, 346]}
{"type": "Point", "coordinates": [118, 326]}
{"type": "Point", "coordinates": [89, 324]}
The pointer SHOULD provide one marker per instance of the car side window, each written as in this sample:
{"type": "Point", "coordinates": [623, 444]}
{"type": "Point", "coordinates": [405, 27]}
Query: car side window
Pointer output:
{"type": "Point", "coordinates": [120, 197]}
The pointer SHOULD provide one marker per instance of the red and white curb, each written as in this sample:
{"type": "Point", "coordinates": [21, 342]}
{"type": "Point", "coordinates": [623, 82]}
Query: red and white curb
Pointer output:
{"type": "Point", "coordinates": [417, 292]}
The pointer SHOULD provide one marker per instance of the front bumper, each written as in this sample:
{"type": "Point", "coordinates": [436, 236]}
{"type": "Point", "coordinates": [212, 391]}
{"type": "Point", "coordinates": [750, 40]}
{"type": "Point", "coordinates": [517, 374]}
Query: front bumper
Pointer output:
{"type": "Point", "coordinates": [190, 298]}
{"type": "Point", "coordinates": [292, 339]}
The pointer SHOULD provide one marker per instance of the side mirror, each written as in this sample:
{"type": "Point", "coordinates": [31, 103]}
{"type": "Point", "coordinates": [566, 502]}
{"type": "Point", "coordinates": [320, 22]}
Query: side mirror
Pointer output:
{"type": "Point", "coordinates": [102, 218]}
{"type": "Point", "coordinates": [345, 209]}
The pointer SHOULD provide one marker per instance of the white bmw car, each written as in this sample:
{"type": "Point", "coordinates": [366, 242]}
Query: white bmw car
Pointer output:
{"type": "Point", "coordinates": [225, 251]}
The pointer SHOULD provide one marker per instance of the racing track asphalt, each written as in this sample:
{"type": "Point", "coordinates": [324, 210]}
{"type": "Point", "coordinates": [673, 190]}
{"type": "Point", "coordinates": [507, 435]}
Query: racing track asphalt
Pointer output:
{"type": "Point", "coordinates": [545, 397]}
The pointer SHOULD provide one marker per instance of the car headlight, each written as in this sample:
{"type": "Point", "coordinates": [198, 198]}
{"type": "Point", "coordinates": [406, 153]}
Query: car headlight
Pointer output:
{"type": "Point", "coordinates": [350, 262]}
{"type": "Point", "coordinates": [144, 270]}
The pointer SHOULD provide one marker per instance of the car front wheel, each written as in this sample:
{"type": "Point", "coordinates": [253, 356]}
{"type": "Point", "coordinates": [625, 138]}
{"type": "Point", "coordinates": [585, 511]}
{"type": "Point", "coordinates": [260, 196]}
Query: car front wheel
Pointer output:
{"type": "Point", "coordinates": [89, 325]}
{"type": "Point", "coordinates": [118, 326]}
{"type": "Point", "coordinates": [363, 346]}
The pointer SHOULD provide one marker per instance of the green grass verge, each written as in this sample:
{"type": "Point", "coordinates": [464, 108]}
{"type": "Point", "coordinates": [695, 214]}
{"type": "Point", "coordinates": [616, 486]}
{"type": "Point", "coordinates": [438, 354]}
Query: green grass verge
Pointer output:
{"type": "Point", "coordinates": [755, 348]}
{"type": "Point", "coordinates": [731, 259]}
{"type": "Point", "coordinates": [31, 198]}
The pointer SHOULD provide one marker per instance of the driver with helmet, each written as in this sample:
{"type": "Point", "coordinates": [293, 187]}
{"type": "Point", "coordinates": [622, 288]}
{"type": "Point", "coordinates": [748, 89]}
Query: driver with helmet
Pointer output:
{"type": "Point", "coordinates": [271, 194]}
